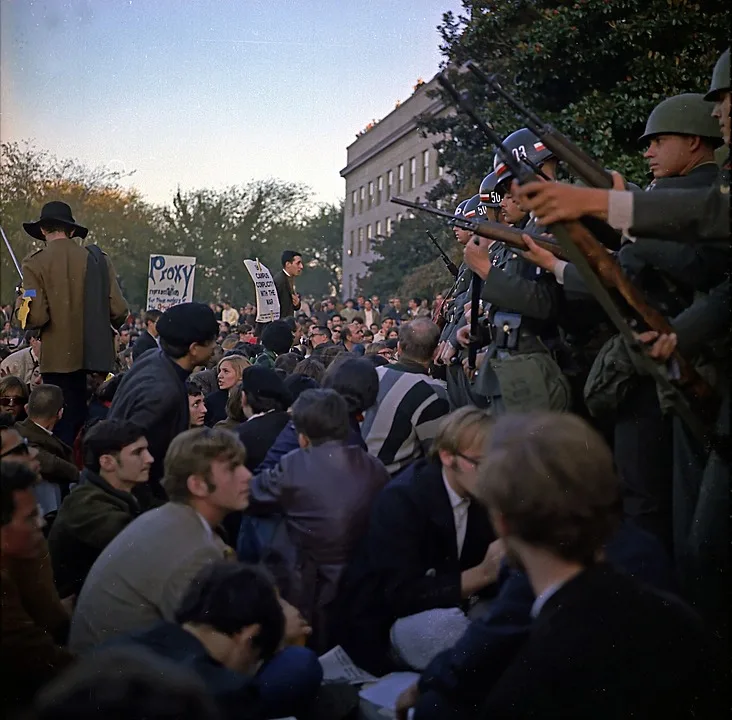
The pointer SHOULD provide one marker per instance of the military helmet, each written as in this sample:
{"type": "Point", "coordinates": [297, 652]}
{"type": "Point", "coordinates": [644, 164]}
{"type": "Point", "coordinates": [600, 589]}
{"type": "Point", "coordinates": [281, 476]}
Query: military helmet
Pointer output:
{"type": "Point", "coordinates": [687, 114]}
{"type": "Point", "coordinates": [489, 196]}
{"type": "Point", "coordinates": [459, 209]}
{"type": "Point", "coordinates": [525, 146]}
{"type": "Point", "coordinates": [471, 209]}
{"type": "Point", "coordinates": [720, 77]}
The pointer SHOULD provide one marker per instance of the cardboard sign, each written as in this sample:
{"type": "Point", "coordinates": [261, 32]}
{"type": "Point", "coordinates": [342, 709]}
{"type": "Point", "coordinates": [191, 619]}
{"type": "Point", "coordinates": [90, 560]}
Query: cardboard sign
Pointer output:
{"type": "Point", "coordinates": [170, 281]}
{"type": "Point", "coordinates": [268, 302]}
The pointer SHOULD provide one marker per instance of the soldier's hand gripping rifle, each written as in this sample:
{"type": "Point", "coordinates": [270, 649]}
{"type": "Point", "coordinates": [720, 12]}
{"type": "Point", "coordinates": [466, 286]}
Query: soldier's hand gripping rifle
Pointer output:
{"type": "Point", "coordinates": [698, 405]}
{"type": "Point", "coordinates": [491, 230]}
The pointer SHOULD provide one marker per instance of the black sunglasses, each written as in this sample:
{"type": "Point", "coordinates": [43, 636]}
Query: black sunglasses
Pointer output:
{"type": "Point", "coordinates": [19, 449]}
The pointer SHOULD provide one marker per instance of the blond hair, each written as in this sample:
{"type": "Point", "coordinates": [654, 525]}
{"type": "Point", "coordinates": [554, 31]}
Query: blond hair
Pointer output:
{"type": "Point", "coordinates": [192, 452]}
{"type": "Point", "coordinates": [461, 429]}
{"type": "Point", "coordinates": [238, 362]}
{"type": "Point", "coordinates": [551, 477]}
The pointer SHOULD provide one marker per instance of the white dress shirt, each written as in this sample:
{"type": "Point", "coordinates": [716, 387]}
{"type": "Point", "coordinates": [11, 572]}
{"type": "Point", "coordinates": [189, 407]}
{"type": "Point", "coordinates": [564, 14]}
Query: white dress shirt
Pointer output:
{"type": "Point", "coordinates": [459, 513]}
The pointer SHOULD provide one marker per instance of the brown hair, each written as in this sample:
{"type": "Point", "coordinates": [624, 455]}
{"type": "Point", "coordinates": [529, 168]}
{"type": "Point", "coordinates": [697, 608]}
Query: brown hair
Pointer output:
{"type": "Point", "coordinates": [460, 429]}
{"type": "Point", "coordinates": [310, 367]}
{"type": "Point", "coordinates": [13, 382]}
{"type": "Point", "coordinates": [551, 477]}
{"type": "Point", "coordinates": [192, 452]}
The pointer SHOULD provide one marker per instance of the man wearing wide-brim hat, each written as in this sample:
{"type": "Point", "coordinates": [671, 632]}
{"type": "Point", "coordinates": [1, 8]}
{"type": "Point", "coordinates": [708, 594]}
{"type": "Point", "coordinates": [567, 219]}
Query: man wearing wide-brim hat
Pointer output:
{"type": "Point", "coordinates": [76, 300]}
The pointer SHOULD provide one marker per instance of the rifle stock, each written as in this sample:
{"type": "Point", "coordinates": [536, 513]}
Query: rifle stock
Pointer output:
{"type": "Point", "coordinates": [493, 231]}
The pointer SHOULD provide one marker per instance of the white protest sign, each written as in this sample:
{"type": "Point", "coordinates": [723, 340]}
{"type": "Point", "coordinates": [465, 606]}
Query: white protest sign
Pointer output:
{"type": "Point", "coordinates": [170, 281]}
{"type": "Point", "coordinates": [268, 302]}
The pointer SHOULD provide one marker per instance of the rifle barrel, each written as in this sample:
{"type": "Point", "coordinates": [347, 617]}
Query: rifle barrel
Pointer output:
{"type": "Point", "coordinates": [493, 231]}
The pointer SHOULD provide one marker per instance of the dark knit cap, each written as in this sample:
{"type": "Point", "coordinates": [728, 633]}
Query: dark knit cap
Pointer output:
{"type": "Point", "coordinates": [187, 323]}
{"type": "Point", "coordinates": [265, 383]}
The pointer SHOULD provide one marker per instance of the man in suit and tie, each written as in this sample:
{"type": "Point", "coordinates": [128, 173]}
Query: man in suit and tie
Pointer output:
{"type": "Point", "coordinates": [285, 282]}
{"type": "Point", "coordinates": [428, 555]}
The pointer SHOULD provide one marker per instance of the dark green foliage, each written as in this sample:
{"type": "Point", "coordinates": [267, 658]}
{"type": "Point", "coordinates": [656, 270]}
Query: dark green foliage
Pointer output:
{"type": "Point", "coordinates": [593, 68]}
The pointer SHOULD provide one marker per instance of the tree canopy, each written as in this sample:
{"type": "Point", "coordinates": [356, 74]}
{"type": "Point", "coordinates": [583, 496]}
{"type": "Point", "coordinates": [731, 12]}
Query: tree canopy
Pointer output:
{"type": "Point", "coordinates": [220, 228]}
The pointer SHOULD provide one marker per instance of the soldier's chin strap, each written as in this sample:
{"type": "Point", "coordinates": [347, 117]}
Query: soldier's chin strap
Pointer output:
{"type": "Point", "coordinates": [705, 436]}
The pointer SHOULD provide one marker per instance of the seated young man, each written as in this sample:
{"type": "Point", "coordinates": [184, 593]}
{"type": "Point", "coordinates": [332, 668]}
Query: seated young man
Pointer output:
{"type": "Point", "coordinates": [601, 645]}
{"type": "Point", "coordinates": [428, 552]}
{"type": "Point", "coordinates": [45, 408]}
{"type": "Point", "coordinates": [231, 631]}
{"type": "Point", "coordinates": [142, 574]}
{"type": "Point", "coordinates": [323, 492]}
{"type": "Point", "coordinates": [116, 460]}
{"type": "Point", "coordinates": [33, 621]}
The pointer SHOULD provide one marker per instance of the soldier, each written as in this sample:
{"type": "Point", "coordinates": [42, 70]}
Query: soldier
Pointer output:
{"type": "Point", "coordinates": [491, 197]}
{"type": "Point", "coordinates": [76, 302]}
{"type": "Point", "coordinates": [458, 294]}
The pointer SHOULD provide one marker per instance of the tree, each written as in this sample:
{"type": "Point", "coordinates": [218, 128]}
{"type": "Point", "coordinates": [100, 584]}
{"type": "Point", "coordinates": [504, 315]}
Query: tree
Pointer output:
{"type": "Point", "coordinates": [224, 228]}
{"type": "Point", "coordinates": [321, 242]}
{"type": "Point", "coordinates": [400, 254]}
{"type": "Point", "coordinates": [593, 68]}
{"type": "Point", "coordinates": [118, 219]}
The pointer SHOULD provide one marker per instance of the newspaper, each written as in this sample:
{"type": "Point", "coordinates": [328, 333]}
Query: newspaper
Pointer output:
{"type": "Point", "coordinates": [338, 667]}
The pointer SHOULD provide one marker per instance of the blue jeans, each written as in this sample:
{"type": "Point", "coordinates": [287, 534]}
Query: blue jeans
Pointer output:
{"type": "Point", "coordinates": [289, 682]}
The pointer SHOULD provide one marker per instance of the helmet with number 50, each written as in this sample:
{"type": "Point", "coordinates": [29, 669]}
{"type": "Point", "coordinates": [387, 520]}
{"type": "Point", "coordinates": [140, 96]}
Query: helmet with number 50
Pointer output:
{"type": "Point", "coordinates": [524, 145]}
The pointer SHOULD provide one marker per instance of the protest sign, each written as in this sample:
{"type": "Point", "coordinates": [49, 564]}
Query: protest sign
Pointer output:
{"type": "Point", "coordinates": [170, 281]}
{"type": "Point", "coordinates": [268, 302]}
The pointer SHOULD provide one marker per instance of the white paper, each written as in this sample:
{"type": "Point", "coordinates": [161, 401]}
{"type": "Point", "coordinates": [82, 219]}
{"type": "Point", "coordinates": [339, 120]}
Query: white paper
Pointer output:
{"type": "Point", "coordinates": [385, 692]}
{"type": "Point", "coordinates": [170, 280]}
{"type": "Point", "coordinates": [338, 667]}
{"type": "Point", "coordinates": [268, 302]}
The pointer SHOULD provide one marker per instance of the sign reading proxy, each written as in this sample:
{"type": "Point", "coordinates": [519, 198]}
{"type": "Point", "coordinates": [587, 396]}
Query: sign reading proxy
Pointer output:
{"type": "Point", "coordinates": [170, 281]}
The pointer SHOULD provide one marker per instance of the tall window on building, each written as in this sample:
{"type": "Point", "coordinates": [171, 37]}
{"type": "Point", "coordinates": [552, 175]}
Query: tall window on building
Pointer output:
{"type": "Point", "coordinates": [378, 228]}
{"type": "Point", "coordinates": [350, 247]}
{"type": "Point", "coordinates": [412, 173]}
{"type": "Point", "coordinates": [389, 183]}
{"type": "Point", "coordinates": [354, 202]}
{"type": "Point", "coordinates": [350, 285]}
{"type": "Point", "coordinates": [388, 226]}
{"type": "Point", "coordinates": [371, 194]}
{"type": "Point", "coordinates": [400, 179]}
{"type": "Point", "coordinates": [398, 218]}
{"type": "Point", "coordinates": [369, 237]}
{"type": "Point", "coordinates": [379, 189]}
{"type": "Point", "coordinates": [361, 197]}
{"type": "Point", "coordinates": [426, 166]}
{"type": "Point", "coordinates": [360, 240]}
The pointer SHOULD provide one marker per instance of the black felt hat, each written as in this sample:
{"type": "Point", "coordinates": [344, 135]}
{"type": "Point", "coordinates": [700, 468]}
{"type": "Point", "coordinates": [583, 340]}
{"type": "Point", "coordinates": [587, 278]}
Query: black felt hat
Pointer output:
{"type": "Point", "coordinates": [187, 323]}
{"type": "Point", "coordinates": [56, 212]}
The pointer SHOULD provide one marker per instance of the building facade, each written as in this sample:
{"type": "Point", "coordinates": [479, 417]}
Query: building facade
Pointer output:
{"type": "Point", "coordinates": [390, 158]}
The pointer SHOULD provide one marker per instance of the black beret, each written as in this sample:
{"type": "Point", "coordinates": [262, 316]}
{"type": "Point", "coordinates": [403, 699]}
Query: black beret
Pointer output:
{"type": "Point", "coordinates": [188, 323]}
{"type": "Point", "coordinates": [265, 383]}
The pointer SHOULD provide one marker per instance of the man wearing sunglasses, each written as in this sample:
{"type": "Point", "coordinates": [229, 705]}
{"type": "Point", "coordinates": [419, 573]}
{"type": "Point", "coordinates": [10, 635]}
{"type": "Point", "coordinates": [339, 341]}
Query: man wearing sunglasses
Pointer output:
{"type": "Point", "coordinates": [15, 447]}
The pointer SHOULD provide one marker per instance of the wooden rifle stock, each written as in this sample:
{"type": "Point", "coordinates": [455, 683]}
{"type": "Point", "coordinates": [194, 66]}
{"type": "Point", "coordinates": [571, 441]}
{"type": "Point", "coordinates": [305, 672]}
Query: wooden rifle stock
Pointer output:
{"type": "Point", "coordinates": [700, 395]}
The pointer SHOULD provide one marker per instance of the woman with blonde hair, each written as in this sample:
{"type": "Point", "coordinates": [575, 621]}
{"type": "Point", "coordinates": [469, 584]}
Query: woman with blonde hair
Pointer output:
{"type": "Point", "coordinates": [228, 375]}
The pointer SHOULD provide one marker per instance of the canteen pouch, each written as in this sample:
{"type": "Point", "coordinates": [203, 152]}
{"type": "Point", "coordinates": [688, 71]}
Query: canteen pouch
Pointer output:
{"type": "Point", "coordinates": [506, 327]}
{"type": "Point", "coordinates": [530, 381]}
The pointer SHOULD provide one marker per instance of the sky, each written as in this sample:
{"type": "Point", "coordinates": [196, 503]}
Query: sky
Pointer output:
{"type": "Point", "coordinates": [210, 93]}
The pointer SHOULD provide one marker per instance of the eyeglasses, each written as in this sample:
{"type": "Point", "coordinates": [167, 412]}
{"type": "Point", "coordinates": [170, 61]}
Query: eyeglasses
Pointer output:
{"type": "Point", "coordinates": [20, 449]}
{"type": "Point", "coordinates": [12, 401]}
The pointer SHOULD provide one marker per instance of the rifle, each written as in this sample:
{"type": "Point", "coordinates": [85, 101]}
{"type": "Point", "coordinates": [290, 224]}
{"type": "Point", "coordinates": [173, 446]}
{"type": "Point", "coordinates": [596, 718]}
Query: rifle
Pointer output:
{"type": "Point", "coordinates": [491, 230]}
{"type": "Point", "coordinates": [476, 287]}
{"type": "Point", "coordinates": [449, 264]}
{"type": "Point", "coordinates": [584, 166]}
{"type": "Point", "coordinates": [594, 263]}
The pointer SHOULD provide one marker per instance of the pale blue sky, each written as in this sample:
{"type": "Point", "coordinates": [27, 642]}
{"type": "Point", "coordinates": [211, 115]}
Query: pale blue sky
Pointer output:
{"type": "Point", "coordinates": [209, 93]}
